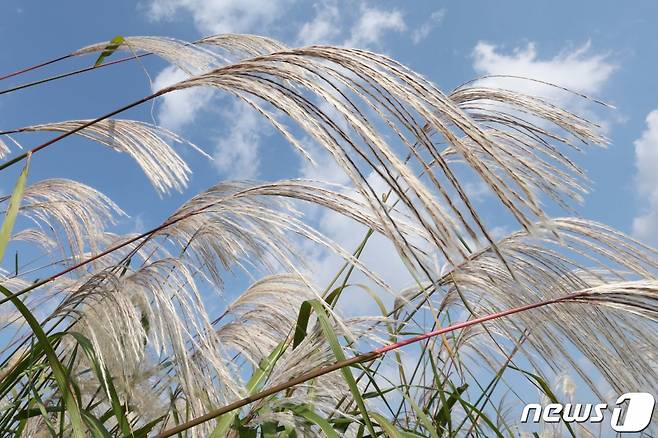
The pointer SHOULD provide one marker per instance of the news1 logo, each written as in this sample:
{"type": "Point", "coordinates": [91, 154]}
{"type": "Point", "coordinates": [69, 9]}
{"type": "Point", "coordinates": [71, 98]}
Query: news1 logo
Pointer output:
{"type": "Point", "coordinates": [639, 412]}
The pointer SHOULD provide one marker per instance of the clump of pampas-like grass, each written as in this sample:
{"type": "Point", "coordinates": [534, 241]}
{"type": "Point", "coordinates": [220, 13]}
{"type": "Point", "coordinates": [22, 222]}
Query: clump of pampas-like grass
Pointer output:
{"type": "Point", "coordinates": [143, 300]}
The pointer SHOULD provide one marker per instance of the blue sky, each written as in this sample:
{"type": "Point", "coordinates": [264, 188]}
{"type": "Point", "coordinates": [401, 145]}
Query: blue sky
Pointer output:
{"type": "Point", "coordinates": [596, 48]}
{"type": "Point", "coordinates": [599, 48]}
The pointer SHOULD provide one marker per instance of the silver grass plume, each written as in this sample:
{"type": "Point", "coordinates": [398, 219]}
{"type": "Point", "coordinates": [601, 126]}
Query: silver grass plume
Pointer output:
{"type": "Point", "coordinates": [192, 58]}
{"type": "Point", "coordinates": [36, 237]}
{"type": "Point", "coordinates": [355, 81]}
{"type": "Point", "coordinates": [186, 56]}
{"type": "Point", "coordinates": [547, 267]}
{"type": "Point", "coordinates": [247, 224]}
{"type": "Point", "coordinates": [147, 144]}
{"type": "Point", "coordinates": [4, 149]}
{"type": "Point", "coordinates": [243, 44]}
{"type": "Point", "coordinates": [74, 214]}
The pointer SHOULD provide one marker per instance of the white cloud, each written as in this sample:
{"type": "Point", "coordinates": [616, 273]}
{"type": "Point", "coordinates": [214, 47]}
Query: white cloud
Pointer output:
{"type": "Point", "coordinates": [477, 190]}
{"type": "Point", "coordinates": [371, 26]}
{"type": "Point", "coordinates": [577, 70]}
{"type": "Point", "coordinates": [368, 25]}
{"type": "Point", "coordinates": [423, 31]}
{"type": "Point", "coordinates": [645, 226]}
{"type": "Point", "coordinates": [500, 232]}
{"type": "Point", "coordinates": [178, 108]}
{"type": "Point", "coordinates": [138, 224]}
{"type": "Point", "coordinates": [237, 153]}
{"type": "Point", "coordinates": [221, 16]}
{"type": "Point", "coordinates": [324, 168]}
{"type": "Point", "coordinates": [324, 27]}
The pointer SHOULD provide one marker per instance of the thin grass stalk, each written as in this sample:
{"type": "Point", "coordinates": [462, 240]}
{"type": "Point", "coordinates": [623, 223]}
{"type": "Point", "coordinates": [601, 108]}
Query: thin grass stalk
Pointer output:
{"type": "Point", "coordinates": [361, 358]}
{"type": "Point", "coordinates": [106, 252]}
{"type": "Point", "coordinates": [62, 136]}
{"type": "Point", "coordinates": [488, 391]}
{"type": "Point", "coordinates": [486, 329]}
{"type": "Point", "coordinates": [35, 67]}
{"type": "Point", "coordinates": [67, 74]}
{"type": "Point", "coordinates": [428, 293]}
{"type": "Point", "coordinates": [74, 72]}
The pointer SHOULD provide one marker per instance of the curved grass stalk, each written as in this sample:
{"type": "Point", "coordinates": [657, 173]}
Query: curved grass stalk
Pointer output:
{"type": "Point", "coordinates": [69, 74]}
{"type": "Point", "coordinates": [35, 67]}
{"type": "Point", "coordinates": [75, 130]}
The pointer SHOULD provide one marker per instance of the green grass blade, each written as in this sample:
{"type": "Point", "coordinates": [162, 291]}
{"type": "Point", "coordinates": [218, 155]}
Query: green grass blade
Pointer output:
{"type": "Point", "coordinates": [143, 431]}
{"type": "Point", "coordinates": [444, 414]}
{"type": "Point", "coordinates": [390, 430]}
{"type": "Point", "coordinates": [468, 407]}
{"type": "Point", "coordinates": [12, 210]}
{"type": "Point", "coordinates": [109, 49]}
{"type": "Point", "coordinates": [43, 411]}
{"type": "Point", "coordinates": [94, 426]}
{"type": "Point", "coordinates": [60, 375]}
{"type": "Point", "coordinates": [33, 412]}
{"type": "Point", "coordinates": [302, 324]}
{"type": "Point", "coordinates": [547, 390]}
{"type": "Point", "coordinates": [337, 349]}
{"type": "Point", "coordinates": [422, 417]}
{"type": "Point", "coordinates": [106, 382]}
{"type": "Point", "coordinates": [309, 415]}
{"type": "Point", "coordinates": [226, 421]}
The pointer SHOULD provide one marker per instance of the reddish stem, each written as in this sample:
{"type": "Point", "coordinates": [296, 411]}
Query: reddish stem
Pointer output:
{"type": "Point", "coordinates": [79, 128]}
{"type": "Point", "coordinates": [34, 67]}
{"type": "Point", "coordinates": [106, 252]}
{"type": "Point", "coordinates": [71, 73]}
{"type": "Point", "coordinates": [471, 322]}
{"type": "Point", "coordinates": [355, 360]}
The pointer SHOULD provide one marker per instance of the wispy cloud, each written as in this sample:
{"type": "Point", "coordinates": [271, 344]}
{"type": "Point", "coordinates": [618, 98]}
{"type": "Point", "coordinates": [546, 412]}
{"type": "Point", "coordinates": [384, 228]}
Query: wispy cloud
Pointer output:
{"type": "Point", "coordinates": [236, 153]}
{"type": "Point", "coordinates": [423, 31]}
{"type": "Point", "coordinates": [371, 26]}
{"type": "Point", "coordinates": [179, 108]}
{"type": "Point", "coordinates": [645, 225]}
{"type": "Point", "coordinates": [324, 27]}
{"type": "Point", "coordinates": [577, 69]}
{"type": "Point", "coordinates": [477, 190]}
{"type": "Point", "coordinates": [221, 16]}
{"type": "Point", "coordinates": [360, 26]}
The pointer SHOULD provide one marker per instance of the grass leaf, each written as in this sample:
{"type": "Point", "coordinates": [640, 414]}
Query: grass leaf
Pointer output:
{"type": "Point", "coordinates": [337, 349]}
{"type": "Point", "coordinates": [388, 428]}
{"type": "Point", "coordinates": [443, 416]}
{"type": "Point", "coordinates": [110, 49]}
{"type": "Point", "coordinates": [12, 210]}
{"type": "Point", "coordinates": [106, 381]}
{"type": "Point", "coordinates": [225, 422]}
{"type": "Point", "coordinates": [546, 389]}
{"type": "Point", "coordinates": [308, 414]}
{"type": "Point", "coordinates": [59, 373]}
{"type": "Point", "coordinates": [302, 324]}
{"type": "Point", "coordinates": [422, 417]}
